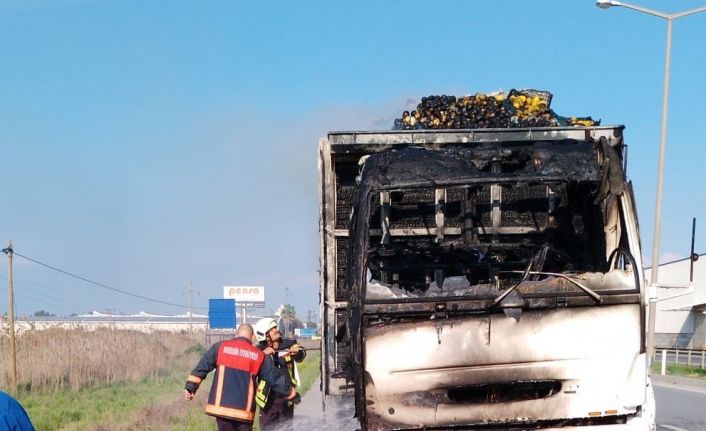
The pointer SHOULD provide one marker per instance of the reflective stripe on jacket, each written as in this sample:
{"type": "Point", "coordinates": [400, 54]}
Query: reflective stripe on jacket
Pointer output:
{"type": "Point", "coordinates": [289, 361]}
{"type": "Point", "coordinates": [263, 392]}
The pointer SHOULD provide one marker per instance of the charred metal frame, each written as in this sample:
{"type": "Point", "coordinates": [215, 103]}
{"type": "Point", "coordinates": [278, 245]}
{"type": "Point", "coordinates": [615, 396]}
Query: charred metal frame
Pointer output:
{"type": "Point", "coordinates": [606, 146]}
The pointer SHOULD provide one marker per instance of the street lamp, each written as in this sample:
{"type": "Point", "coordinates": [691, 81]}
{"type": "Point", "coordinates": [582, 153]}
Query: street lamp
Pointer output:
{"type": "Point", "coordinates": [660, 161]}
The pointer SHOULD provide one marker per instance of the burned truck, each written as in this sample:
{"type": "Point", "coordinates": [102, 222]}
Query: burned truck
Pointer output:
{"type": "Point", "coordinates": [483, 279]}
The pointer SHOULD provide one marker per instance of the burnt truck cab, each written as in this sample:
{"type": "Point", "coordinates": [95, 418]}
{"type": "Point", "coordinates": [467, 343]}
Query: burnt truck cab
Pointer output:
{"type": "Point", "coordinates": [490, 278]}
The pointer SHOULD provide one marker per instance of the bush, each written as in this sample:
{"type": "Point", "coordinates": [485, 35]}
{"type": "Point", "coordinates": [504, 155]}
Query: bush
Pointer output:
{"type": "Point", "coordinates": [199, 349]}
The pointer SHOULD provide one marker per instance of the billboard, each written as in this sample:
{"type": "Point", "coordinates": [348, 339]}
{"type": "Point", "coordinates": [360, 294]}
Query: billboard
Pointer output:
{"type": "Point", "coordinates": [246, 296]}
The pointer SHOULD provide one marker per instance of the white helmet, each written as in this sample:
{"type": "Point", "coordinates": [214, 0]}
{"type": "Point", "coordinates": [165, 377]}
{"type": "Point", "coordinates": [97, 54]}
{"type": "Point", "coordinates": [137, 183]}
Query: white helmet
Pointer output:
{"type": "Point", "coordinates": [263, 326]}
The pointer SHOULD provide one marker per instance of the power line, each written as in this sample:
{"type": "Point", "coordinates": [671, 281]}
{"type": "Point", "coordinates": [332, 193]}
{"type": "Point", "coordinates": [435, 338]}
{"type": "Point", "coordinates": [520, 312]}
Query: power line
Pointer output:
{"type": "Point", "coordinates": [28, 298]}
{"type": "Point", "coordinates": [30, 284]}
{"type": "Point", "coordinates": [34, 295]}
{"type": "Point", "coordinates": [105, 286]}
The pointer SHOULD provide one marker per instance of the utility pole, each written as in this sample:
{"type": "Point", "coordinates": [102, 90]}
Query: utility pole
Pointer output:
{"type": "Point", "coordinates": [191, 292]}
{"type": "Point", "coordinates": [693, 257]}
{"type": "Point", "coordinates": [654, 273]}
{"type": "Point", "coordinates": [11, 318]}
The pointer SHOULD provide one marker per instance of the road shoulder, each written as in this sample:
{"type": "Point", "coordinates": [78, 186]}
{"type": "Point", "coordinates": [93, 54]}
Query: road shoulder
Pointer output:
{"type": "Point", "coordinates": [667, 380]}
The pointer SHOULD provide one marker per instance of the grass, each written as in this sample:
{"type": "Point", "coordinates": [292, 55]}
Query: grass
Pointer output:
{"type": "Point", "coordinates": [115, 398]}
{"type": "Point", "coordinates": [153, 403]}
{"type": "Point", "coordinates": [99, 407]}
{"type": "Point", "coordinates": [309, 371]}
{"type": "Point", "coordinates": [58, 359]}
{"type": "Point", "coordinates": [679, 370]}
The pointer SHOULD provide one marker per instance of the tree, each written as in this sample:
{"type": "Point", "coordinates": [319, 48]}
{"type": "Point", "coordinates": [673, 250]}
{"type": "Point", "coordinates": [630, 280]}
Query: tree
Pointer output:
{"type": "Point", "coordinates": [286, 310]}
{"type": "Point", "coordinates": [42, 313]}
{"type": "Point", "coordinates": [287, 320]}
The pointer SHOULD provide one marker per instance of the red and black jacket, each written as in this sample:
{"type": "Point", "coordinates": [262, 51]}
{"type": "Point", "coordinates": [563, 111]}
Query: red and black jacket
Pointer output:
{"type": "Point", "coordinates": [238, 365]}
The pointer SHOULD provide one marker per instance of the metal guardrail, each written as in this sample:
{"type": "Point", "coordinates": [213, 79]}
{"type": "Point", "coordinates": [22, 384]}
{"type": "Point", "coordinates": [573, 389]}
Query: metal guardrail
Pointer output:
{"type": "Point", "coordinates": [685, 357]}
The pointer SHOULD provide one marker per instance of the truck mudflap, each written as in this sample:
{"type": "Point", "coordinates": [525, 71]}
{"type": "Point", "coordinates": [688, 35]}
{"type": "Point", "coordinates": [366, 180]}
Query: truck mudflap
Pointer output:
{"type": "Point", "coordinates": [547, 369]}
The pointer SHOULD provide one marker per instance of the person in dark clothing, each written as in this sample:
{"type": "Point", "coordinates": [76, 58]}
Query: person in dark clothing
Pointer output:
{"type": "Point", "coordinates": [277, 412]}
{"type": "Point", "coordinates": [12, 416]}
{"type": "Point", "coordinates": [238, 366]}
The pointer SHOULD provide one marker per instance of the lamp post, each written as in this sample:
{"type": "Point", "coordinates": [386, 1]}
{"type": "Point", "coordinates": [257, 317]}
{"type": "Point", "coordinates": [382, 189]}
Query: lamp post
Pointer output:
{"type": "Point", "coordinates": [660, 161]}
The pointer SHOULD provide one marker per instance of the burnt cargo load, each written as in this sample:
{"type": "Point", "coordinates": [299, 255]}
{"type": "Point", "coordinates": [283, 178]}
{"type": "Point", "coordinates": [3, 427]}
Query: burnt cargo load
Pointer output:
{"type": "Point", "coordinates": [519, 108]}
{"type": "Point", "coordinates": [483, 279]}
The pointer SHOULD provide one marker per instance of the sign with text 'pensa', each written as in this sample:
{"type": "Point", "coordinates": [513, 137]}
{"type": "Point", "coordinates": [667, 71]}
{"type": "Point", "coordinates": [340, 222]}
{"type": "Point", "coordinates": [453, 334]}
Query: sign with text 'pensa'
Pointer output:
{"type": "Point", "coordinates": [246, 296]}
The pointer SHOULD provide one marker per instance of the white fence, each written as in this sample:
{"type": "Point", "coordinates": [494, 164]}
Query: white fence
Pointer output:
{"type": "Point", "coordinates": [684, 357]}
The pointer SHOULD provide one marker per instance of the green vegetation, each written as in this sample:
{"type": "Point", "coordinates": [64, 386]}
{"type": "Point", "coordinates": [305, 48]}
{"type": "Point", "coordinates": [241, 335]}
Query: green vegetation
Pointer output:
{"type": "Point", "coordinates": [88, 406]}
{"type": "Point", "coordinates": [43, 313]}
{"type": "Point", "coordinates": [679, 370]}
{"type": "Point", "coordinates": [309, 371]}
{"type": "Point", "coordinates": [154, 402]}
{"type": "Point", "coordinates": [197, 348]}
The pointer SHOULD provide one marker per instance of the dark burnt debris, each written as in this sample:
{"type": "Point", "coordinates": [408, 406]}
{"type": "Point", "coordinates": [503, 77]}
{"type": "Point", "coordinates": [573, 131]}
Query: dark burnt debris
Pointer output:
{"type": "Point", "coordinates": [519, 108]}
{"type": "Point", "coordinates": [566, 160]}
{"type": "Point", "coordinates": [547, 217]}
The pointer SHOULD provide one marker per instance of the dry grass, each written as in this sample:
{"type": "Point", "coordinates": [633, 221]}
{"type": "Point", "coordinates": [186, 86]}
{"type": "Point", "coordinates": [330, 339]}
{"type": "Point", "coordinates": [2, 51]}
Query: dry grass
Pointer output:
{"type": "Point", "coordinates": [78, 380]}
{"type": "Point", "coordinates": [59, 359]}
{"type": "Point", "coordinates": [164, 415]}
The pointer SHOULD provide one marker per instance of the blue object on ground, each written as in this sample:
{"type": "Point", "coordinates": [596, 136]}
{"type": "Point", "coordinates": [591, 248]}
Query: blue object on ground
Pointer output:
{"type": "Point", "coordinates": [12, 416]}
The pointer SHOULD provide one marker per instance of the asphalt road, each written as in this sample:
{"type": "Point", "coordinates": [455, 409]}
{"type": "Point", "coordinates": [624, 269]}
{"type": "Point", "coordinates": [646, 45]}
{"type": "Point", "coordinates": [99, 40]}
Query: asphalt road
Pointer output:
{"type": "Point", "coordinates": [680, 408]}
{"type": "Point", "coordinates": [310, 415]}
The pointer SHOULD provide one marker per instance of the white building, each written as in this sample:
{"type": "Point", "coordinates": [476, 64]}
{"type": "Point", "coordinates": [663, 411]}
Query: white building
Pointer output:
{"type": "Point", "coordinates": [143, 322]}
{"type": "Point", "coordinates": [681, 307]}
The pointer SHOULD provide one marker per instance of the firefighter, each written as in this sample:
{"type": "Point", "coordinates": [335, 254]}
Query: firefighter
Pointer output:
{"type": "Point", "coordinates": [239, 365]}
{"type": "Point", "coordinates": [276, 411]}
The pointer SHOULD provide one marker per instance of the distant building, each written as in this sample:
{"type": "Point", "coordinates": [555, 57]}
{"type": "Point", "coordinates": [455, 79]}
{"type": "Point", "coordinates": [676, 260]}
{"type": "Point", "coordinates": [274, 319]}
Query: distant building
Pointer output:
{"type": "Point", "coordinates": [144, 322]}
{"type": "Point", "coordinates": [681, 307]}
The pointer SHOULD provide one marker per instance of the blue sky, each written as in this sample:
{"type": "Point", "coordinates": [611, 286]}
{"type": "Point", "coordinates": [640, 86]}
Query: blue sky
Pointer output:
{"type": "Point", "coordinates": [149, 144]}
